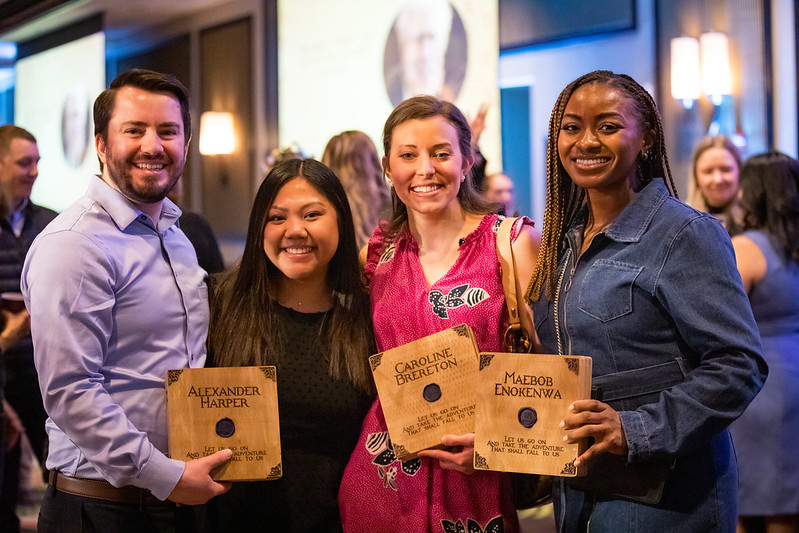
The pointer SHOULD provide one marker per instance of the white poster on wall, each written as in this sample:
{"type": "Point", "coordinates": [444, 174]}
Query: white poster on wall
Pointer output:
{"type": "Point", "coordinates": [346, 65]}
{"type": "Point", "coordinates": [53, 100]}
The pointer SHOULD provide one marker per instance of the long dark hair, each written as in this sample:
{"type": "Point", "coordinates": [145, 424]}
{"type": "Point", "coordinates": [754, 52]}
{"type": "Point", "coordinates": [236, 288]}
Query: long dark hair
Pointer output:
{"type": "Point", "coordinates": [564, 198]}
{"type": "Point", "coordinates": [770, 199]}
{"type": "Point", "coordinates": [419, 108]}
{"type": "Point", "coordinates": [247, 324]}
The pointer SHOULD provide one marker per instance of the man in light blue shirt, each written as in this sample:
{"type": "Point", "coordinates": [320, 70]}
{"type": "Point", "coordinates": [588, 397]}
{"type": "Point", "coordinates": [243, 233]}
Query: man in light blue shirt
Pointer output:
{"type": "Point", "coordinates": [116, 299]}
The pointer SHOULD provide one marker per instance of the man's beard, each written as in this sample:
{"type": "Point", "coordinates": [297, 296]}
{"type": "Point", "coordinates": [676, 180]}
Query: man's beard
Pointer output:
{"type": "Point", "coordinates": [149, 191]}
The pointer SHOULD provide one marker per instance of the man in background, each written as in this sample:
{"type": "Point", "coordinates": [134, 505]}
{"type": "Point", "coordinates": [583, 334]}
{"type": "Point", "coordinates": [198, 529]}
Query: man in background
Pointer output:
{"type": "Point", "coordinates": [498, 188]}
{"type": "Point", "coordinates": [20, 222]}
{"type": "Point", "coordinates": [117, 299]}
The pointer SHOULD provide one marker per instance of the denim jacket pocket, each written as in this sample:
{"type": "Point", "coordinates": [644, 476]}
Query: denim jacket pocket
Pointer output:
{"type": "Point", "coordinates": [540, 312]}
{"type": "Point", "coordinates": [606, 292]}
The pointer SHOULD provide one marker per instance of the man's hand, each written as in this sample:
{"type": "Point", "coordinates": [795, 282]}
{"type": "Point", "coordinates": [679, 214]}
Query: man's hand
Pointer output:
{"type": "Point", "coordinates": [17, 326]}
{"type": "Point", "coordinates": [459, 456]}
{"type": "Point", "coordinates": [592, 418]}
{"type": "Point", "coordinates": [195, 485]}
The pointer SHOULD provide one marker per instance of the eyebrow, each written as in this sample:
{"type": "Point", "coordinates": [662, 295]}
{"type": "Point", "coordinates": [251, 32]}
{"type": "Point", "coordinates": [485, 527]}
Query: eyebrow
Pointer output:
{"type": "Point", "coordinates": [304, 206]}
{"type": "Point", "coordinates": [141, 123]}
{"type": "Point", "coordinates": [445, 144]}
{"type": "Point", "coordinates": [610, 114]}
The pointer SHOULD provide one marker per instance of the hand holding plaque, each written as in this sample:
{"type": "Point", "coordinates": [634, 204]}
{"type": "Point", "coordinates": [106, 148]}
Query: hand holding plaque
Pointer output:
{"type": "Point", "coordinates": [426, 389]}
{"type": "Point", "coordinates": [211, 409]}
{"type": "Point", "coordinates": [521, 400]}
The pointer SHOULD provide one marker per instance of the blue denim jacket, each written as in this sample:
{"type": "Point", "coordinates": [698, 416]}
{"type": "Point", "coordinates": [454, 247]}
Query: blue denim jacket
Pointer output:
{"type": "Point", "coordinates": [660, 287]}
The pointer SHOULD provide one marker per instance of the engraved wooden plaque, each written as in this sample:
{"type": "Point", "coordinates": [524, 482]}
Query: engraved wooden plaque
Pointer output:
{"type": "Point", "coordinates": [426, 388]}
{"type": "Point", "coordinates": [521, 400]}
{"type": "Point", "coordinates": [211, 409]}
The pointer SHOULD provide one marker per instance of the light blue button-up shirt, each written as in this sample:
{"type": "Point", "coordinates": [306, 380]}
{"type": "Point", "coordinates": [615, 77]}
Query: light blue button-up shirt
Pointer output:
{"type": "Point", "coordinates": [115, 302]}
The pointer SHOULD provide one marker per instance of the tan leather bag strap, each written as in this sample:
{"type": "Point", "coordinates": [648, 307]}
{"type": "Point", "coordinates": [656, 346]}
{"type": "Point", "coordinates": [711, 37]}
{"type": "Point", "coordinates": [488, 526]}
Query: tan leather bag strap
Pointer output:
{"type": "Point", "coordinates": [517, 339]}
{"type": "Point", "coordinates": [506, 261]}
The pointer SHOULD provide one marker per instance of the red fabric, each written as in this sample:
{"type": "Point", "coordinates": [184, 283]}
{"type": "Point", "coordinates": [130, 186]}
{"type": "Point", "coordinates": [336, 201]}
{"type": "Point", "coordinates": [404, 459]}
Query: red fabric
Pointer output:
{"type": "Point", "coordinates": [378, 492]}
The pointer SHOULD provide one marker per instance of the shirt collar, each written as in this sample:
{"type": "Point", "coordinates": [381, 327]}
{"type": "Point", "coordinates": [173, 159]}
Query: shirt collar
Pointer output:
{"type": "Point", "coordinates": [123, 212]}
{"type": "Point", "coordinates": [633, 221]}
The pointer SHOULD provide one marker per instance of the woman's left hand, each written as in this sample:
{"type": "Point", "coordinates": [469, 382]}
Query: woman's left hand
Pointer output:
{"type": "Point", "coordinates": [459, 455]}
{"type": "Point", "coordinates": [597, 420]}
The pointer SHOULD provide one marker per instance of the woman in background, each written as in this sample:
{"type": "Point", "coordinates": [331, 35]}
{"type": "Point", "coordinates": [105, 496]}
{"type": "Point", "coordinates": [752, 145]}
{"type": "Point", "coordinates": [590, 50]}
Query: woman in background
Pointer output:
{"type": "Point", "coordinates": [647, 287]}
{"type": "Point", "coordinates": [440, 242]}
{"type": "Point", "coordinates": [768, 260]}
{"type": "Point", "coordinates": [714, 181]}
{"type": "Point", "coordinates": [352, 156]}
{"type": "Point", "coordinates": [296, 301]}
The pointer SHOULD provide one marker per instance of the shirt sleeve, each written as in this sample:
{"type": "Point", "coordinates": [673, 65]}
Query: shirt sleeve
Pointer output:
{"type": "Point", "coordinates": [700, 287]}
{"type": "Point", "coordinates": [69, 282]}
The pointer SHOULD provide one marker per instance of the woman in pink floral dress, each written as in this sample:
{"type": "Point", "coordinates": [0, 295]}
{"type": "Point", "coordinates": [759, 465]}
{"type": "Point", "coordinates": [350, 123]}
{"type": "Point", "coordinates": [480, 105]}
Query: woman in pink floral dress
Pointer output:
{"type": "Point", "coordinates": [431, 267]}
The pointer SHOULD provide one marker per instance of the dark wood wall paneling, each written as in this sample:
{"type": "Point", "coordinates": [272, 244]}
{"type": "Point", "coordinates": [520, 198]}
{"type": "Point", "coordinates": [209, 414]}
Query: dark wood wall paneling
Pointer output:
{"type": "Point", "coordinates": [227, 85]}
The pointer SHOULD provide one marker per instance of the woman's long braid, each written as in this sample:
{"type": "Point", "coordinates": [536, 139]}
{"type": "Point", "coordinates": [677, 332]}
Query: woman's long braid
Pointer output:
{"type": "Point", "coordinates": [659, 161]}
{"type": "Point", "coordinates": [563, 197]}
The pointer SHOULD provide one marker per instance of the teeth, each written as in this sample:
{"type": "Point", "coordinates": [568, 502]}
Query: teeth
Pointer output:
{"type": "Point", "coordinates": [425, 188]}
{"type": "Point", "coordinates": [149, 166]}
{"type": "Point", "coordinates": [591, 162]}
{"type": "Point", "coordinates": [303, 250]}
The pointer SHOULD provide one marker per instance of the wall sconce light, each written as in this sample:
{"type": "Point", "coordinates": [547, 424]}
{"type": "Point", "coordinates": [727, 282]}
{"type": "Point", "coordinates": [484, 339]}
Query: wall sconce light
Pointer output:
{"type": "Point", "coordinates": [685, 84]}
{"type": "Point", "coordinates": [216, 133]}
{"type": "Point", "coordinates": [716, 76]}
{"type": "Point", "coordinates": [714, 79]}
{"type": "Point", "coordinates": [217, 138]}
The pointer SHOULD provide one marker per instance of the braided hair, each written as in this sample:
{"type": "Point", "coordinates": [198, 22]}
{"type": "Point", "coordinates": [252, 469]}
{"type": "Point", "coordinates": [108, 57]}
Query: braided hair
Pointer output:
{"type": "Point", "coordinates": [564, 198]}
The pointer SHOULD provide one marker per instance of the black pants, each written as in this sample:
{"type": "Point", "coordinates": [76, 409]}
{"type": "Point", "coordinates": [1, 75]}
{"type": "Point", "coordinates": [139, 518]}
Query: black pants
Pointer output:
{"type": "Point", "coordinates": [66, 513]}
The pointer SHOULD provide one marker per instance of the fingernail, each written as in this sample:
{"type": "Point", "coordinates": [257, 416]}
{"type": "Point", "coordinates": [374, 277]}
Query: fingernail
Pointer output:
{"type": "Point", "coordinates": [565, 438]}
{"type": "Point", "coordinates": [562, 424]}
{"type": "Point", "coordinates": [577, 463]}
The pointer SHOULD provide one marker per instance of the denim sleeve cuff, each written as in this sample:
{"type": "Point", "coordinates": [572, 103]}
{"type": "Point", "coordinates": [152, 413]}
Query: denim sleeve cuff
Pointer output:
{"type": "Point", "coordinates": [638, 445]}
{"type": "Point", "coordinates": [160, 475]}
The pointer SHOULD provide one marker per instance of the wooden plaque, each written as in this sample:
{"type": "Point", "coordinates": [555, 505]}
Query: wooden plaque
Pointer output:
{"type": "Point", "coordinates": [426, 388]}
{"type": "Point", "coordinates": [521, 400]}
{"type": "Point", "coordinates": [211, 409]}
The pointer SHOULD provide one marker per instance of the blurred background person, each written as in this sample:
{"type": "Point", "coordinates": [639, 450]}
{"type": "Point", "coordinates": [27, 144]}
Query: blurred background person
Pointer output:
{"type": "Point", "coordinates": [21, 223]}
{"type": "Point", "coordinates": [199, 233]}
{"type": "Point", "coordinates": [498, 189]}
{"type": "Point", "coordinates": [352, 156]}
{"type": "Point", "coordinates": [713, 187]}
{"type": "Point", "coordinates": [768, 260]}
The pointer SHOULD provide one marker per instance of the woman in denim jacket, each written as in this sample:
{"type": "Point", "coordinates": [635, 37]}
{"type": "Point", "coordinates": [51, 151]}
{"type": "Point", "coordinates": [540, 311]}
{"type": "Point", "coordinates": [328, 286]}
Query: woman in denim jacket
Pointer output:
{"type": "Point", "coordinates": [649, 289]}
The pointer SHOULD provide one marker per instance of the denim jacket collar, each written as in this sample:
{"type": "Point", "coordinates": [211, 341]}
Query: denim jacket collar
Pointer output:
{"type": "Point", "coordinates": [634, 220]}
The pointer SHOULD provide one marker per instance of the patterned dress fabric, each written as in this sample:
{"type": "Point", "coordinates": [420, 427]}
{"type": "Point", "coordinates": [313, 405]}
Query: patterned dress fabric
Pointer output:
{"type": "Point", "coordinates": [380, 493]}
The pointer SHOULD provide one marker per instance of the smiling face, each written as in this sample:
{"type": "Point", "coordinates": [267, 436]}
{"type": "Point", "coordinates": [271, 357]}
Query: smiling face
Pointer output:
{"type": "Point", "coordinates": [18, 171]}
{"type": "Point", "coordinates": [601, 137]}
{"type": "Point", "coordinates": [425, 166]}
{"type": "Point", "coordinates": [145, 151]}
{"type": "Point", "coordinates": [717, 176]}
{"type": "Point", "coordinates": [301, 233]}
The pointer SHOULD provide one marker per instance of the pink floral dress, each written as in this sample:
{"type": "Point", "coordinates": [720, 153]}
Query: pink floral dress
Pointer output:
{"type": "Point", "coordinates": [379, 493]}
